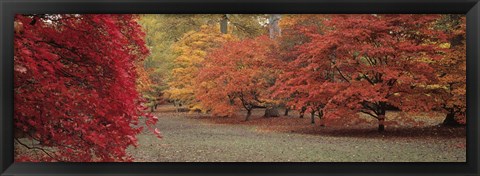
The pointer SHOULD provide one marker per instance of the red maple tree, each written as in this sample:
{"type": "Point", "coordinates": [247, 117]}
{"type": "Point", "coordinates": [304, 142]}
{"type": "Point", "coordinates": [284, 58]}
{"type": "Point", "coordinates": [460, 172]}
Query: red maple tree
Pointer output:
{"type": "Point", "coordinates": [365, 63]}
{"type": "Point", "coordinates": [75, 86]}
{"type": "Point", "coordinates": [304, 88]}
{"type": "Point", "coordinates": [236, 76]}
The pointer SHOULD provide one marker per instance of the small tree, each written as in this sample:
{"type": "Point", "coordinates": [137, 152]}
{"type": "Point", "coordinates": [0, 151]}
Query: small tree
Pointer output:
{"type": "Point", "coordinates": [235, 76]}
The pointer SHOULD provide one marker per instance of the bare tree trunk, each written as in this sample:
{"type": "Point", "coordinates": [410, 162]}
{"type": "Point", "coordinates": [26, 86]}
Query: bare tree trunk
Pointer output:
{"type": "Point", "coordinates": [224, 24]}
{"type": "Point", "coordinates": [271, 112]}
{"type": "Point", "coordinates": [249, 113]}
{"type": "Point", "coordinates": [179, 106]}
{"type": "Point", "coordinates": [381, 123]}
{"type": "Point", "coordinates": [274, 28]}
{"type": "Point", "coordinates": [313, 117]}
{"type": "Point", "coordinates": [321, 120]}
{"type": "Point", "coordinates": [175, 105]}
{"type": "Point", "coordinates": [286, 111]}
{"type": "Point", "coordinates": [381, 117]}
{"type": "Point", "coordinates": [450, 119]}
{"type": "Point", "coordinates": [302, 112]}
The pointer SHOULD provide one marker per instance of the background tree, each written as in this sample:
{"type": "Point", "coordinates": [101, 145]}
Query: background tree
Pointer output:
{"type": "Point", "coordinates": [235, 76]}
{"type": "Point", "coordinates": [452, 70]}
{"type": "Point", "coordinates": [162, 32]}
{"type": "Point", "coordinates": [247, 25]}
{"type": "Point", "coordinates": [273, 27]}
{"type": "Point", "coordinates": [192, 50]}
{"type": "Point", "coordinates": [274, 32]}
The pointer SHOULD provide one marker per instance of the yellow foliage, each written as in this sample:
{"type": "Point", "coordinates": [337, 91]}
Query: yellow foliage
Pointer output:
{"type": "Point", "coordinates": [290, 21]}
{"type": "Point", "coordinates": [192, 49]}
{"type": "Point", "coordinates": [445, 45]}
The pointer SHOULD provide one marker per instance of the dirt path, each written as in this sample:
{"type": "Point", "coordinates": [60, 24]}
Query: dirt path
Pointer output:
{"type": "Point", "coordinates": [192, 140]}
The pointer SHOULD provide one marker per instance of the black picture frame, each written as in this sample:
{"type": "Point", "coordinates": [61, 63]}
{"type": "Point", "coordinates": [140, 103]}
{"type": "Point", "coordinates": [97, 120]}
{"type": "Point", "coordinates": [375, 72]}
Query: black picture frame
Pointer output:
{"type": "Point", "coordinates": [10, 7]}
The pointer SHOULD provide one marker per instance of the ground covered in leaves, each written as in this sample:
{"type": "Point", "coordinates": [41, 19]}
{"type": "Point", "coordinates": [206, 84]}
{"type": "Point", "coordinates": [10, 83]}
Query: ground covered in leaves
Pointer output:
{"type": "Point", "coordinates": [197, 137]}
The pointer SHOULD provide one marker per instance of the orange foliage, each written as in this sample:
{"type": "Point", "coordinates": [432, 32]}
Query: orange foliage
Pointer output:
{"type": "Point", "coordinates": [235, 76]}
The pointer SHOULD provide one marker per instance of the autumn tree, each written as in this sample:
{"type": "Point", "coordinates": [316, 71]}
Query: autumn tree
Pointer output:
{"type": "Point", "coordinates": [162, 31]}
{"type": "Point", "coordinates": [274, 30]}
{"type": "Point", "coordinates": [291, 85]}
{"type": "Point", "coordinates": [380, 60]}
{"type": "Point", "coordinates": [451, 70]}
{"type": "Point", "coordinates": [147, 87]}
{"type": "Point", "coordinates": [235, 76]}
{"type": "Point", "coordinates": [75, 86]}
{"type": "Point", "coordinates": [192, 50]}
{"type": "Point", "coordinates": [166, 30]}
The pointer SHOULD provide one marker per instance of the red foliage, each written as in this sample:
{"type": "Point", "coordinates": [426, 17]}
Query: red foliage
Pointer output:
{"type": "Point", "coordinates": [75, 85]}
{"type": "Point", "coordinates": [296, 91]}
{"type": "Point", "coordinates": [363, 63]}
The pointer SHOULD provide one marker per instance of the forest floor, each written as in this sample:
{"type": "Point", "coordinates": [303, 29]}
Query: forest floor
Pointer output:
{"type": "Point", "coordinates": [197, 137]}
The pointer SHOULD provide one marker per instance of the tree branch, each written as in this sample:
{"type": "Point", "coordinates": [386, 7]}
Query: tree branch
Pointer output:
{"type": "Point", "coordinates": [369, 113]}
{"type": "Point", "coordinates": [36, 148]}
{"type": "Point", "coordinates": [341, 74]}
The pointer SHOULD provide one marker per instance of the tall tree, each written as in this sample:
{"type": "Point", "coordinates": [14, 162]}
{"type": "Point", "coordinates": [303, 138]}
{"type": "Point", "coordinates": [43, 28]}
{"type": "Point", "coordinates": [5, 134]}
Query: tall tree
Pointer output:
{"type": "Point", "coordinates": [162, 32]}
{"type": "Point", "coordinates": [273, 27]}
{"type": "Point", "coordinates": [74, 86]}
{"type": "Point", "coordinates": [192, 50]}
{"type": "Point", "coordinates": [224, 24]}
{"type": "Point", "coordinates": [274, 32]}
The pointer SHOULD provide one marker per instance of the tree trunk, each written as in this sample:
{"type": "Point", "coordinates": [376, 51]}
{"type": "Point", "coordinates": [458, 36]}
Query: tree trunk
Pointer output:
{"type": "Point", "coordinates": [152, 108]}
{"type": "Point", "coordinates": [179, 108]}
{"type": "Point", "coordinates": [450, 119]}
{"type": "Point", "coordinates": [381, 116]}
{"type": "Point", "coordinates": [286, 111]}
{"type": "Point", "coordinates": [274, 28]}
{"type": "Point", "coordinates": [271, 112]}
{"type": "Point", "coordinates": [313, 117]}
{"type": "Point", "coordinates": [321, 120]}
{"type": "Point", "coordinates": [302, 112]}
{"type": "Point", "coordinates": [224, 24]}
{"type": "Point", "coordinates": [381, 123]}
{"type": "Point", "coordinates": [249, 113]}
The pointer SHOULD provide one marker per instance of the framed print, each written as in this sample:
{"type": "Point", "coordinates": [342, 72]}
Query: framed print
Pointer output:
{"type": "Point", "coordinates": [282, 87]}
